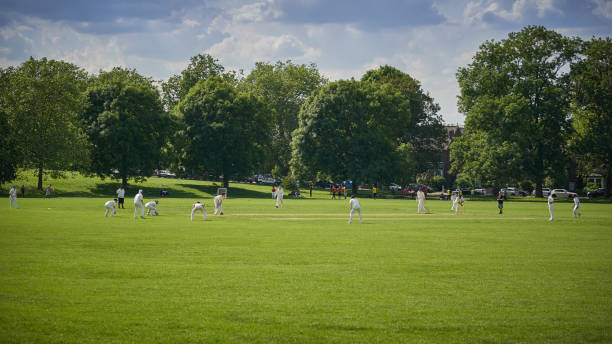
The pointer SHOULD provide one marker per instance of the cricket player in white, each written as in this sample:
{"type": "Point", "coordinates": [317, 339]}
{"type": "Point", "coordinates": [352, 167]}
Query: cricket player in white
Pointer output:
{"type": "Point", "coordinates": [458, 201]}
{"type": "Point", "coordinates": [421, 202]}
{"type": "Point", "coordinates": [355, 207]}
{"type": "Point", "coordinates": [139, 204]}
{"type": "Point", "coordinates": [198, 206]}
{"type": "Point", "coordinates": [152, 208]}
{"type": "Point", "coordinates": [110, 207]}
{"type": "Point", "coordinates": [279, 196]}
{"type": "Point", "coordinates": [219, 203]}
{"type": "Point", "coordinates": [13, 197]}
{"type": "Point", "coordinates": [576, 206]}
{"type": "Point", "coordinates": [551, 200]}
{"type": "Point", "coordinates": [453, 199]}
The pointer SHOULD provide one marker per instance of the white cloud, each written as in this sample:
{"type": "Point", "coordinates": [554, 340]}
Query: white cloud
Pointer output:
{"type": "Point", "coordinates": [603, 8]}
{"type": "Point", "coordinates": [190, 23]}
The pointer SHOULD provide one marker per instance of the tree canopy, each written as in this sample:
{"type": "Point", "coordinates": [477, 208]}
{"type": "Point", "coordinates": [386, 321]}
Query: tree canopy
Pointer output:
{"type": "Point", "coordinates": [516, 92]}
{"type": "Point", "coordinates": [350, 129]}
{"type": "Point", "coordinates": [126, 125]}
{"type": "Point", "coordinates": [592, 108]}
{"type": "Point", "coordinates": [284, 86]}
{"type": "Point", "coordinates": [226, 130]}
{"type": "Point", "coordinates": [41, 100]}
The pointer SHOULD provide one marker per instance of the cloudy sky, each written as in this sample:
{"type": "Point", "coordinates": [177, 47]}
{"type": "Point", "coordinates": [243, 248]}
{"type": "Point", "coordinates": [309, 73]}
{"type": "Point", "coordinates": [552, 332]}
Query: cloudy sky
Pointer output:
{"type": "Point", "coordinates": [428, 39]}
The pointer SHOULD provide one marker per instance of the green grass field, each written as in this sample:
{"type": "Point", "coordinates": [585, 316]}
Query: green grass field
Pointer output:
{"type": "Point", "coordinates": [302, 274]}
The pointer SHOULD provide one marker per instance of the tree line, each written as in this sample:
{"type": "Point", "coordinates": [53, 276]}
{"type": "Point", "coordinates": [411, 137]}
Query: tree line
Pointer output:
{"type": "Point", "coordinates": [537, 104]}
{"type": "Point", "coordinates": [534, 103]}
{"type": "Point", "coordinates": [212, 123]}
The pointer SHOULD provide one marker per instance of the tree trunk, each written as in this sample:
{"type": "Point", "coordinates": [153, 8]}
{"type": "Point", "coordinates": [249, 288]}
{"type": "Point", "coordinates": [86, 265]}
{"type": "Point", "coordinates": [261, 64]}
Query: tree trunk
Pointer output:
{"type": "Point", "coordinates": [40, 178]}
{"type": "Point", "coordinates": [355, 188]}
{"type": "Point", "coordinates": [225, 183]}
{"type": "Point", "coordinates": [124, 181]}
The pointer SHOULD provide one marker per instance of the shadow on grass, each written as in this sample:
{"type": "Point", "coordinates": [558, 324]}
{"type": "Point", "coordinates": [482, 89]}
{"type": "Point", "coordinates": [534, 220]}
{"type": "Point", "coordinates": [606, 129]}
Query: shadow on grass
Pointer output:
{"type": "Point", "coordinates": [182, 190]}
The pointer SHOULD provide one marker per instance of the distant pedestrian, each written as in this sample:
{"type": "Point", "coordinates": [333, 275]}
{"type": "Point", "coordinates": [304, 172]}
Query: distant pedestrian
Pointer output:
{"type": "Point", "coordinates": [344, 189]}
{"type": "Point", "coordinates": [551, 202]}
{"type": "Point", "coordinates": [152, 208]}
{"type": "Point", "coordinates": [48, 191]}
{"type": "Point", "coordinates": [110, 207]}
{"type": "Point", "coordinates": [355, 207]}
{"type": "Point", "coordinates": [333, 191]}
{"type": "Point", "coordinates": [453, 199]}
{"type": "Point", "coordinates": [198, 206]}
{"type": "Point", "coordinates": [218, 200]}
{"type": "Point", "coordinates": [13, 197]}
{"type": "Point", "coordinates": [374, 191]}
{"type": "Point", "coordinates": [23, 191]}
{"type": "Point", "coordinates": [139, 205]}
{"type": "Point", "coordinates": [576, 205]}
{"type": "Point", "coordinates": [121, 197]}
{"type": "Point", "coordinates": [280, 193]}
{"type": "Point", "coordinates": [459, 202]}
{"type": "Point", "coordinates": [421, 202]}
{"type": "Point", "coordinates": [472, 192]}
{"type": "Point", "coordinates": [273, 192]}
{"type": "Point", "coordinates": [500, 202]}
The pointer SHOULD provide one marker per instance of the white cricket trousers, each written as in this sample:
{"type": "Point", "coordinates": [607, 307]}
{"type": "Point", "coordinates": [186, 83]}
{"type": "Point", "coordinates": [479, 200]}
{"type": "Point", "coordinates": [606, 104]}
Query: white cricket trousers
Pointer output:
{"type": "Point", "coordinates": [110, 210]}
{"type": "Point", "coordinates": [11, 201]}
{"type": "Point", "coordinates": [576, 213]}
{"type": "Point", "coordinates": [352, 212]}
{"type": "Point", "coordinates": [136, 207]}
{"type": "Point", "coordinates": [550, 210]}
{"type": "Point", "coordinates": [420, 207]}
{"type": "Point", "coordinates": [195, 209]}
{"type": "Point", "coordinates": [279, 200]}
{"type": "Point", "coordinates": [218, 207]}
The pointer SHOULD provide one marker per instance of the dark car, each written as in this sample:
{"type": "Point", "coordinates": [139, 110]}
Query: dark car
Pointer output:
{"type": "Point", "coordinates": [597, 193]}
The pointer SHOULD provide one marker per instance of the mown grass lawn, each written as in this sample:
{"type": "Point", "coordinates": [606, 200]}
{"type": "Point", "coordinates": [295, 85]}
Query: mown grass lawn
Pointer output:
{"type": "Point", "coordinates": [302, 274]}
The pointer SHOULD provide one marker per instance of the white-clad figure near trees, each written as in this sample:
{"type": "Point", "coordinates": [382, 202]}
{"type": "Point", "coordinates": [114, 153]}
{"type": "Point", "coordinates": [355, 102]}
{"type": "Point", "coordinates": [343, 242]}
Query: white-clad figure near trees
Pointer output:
{"type": "Point", "coordinates": [198, 206]}
{"type": "Point", "coordinates": [152, 208]}
{"type": "Point", "coordinates": [139, 205]}
{"type": "Point", "coordinates": [13, 197]}
{"type": "Point", "coordinates": [576, 205]}
{"type": "Point", "coordinates": [421, 202]}
{"type": "Point", "coordinates": [219, 203]}
{"type": "Point", "coordinates": [110, 207]}
{"type": "Point", "coordinates": [355, 207]}
{"type": "Point", "coordinates": [280, 193]}
{"type": "Point", "coordinates": [551, 202]}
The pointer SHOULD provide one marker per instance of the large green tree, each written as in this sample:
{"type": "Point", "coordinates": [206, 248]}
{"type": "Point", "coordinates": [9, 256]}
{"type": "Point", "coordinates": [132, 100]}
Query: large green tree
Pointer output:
{"type": "Point", "coordinates": [425, 131]}
{"type": "Point", "coordinates": [225, 130]}
{"type": "Point", "coordinates": [284, 86]}
{"type": "Point", "coordinates": [351, 129]}
{"type": "Point", "coordinates": [201, 67]}
{"type": "Point", "coordinates": [8, 156]}
{"type": "Point", "coordinates": [516, 91]}
{"type": "Point", "coordinates": [592, 107]}
{"type": "Point", "coordinates": [125, 123]}
{"type": "Point", "coordinates": [41, 100]}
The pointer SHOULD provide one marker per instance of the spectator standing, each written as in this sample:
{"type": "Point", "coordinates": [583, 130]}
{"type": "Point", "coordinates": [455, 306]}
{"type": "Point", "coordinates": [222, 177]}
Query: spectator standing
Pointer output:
{"type": "Point", "coordinates": [48, 191]}
{"type": "Point", "coordinates": [23, 191]}
{"type": "Point", "coordinates": [500, 202]}
{"type": "Point", "coordinates": [13, 197]}
{"type": "Point", "coordinates": [121, 197]}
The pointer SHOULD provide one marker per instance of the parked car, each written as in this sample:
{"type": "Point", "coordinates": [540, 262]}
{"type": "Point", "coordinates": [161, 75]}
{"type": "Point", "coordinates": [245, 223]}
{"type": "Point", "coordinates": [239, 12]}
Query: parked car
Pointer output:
{"type": "Point", "coordinates": [479, 191]}
{"type": "Point", "coordinates": [597, 193]}
{"type": "Point", "coordinates": [545, 192]}
{"type": "Point", "coordinates": [512, 191]}
{"type": "Point", "coordinates": [561, 193]}
{"type": "Point", "coordinates": [165, 174]}
{"type": "Point", "coordinates": [394, 187]}
{"type": "Point", "coordinates": [265, 179]}
{"type": "Point", "coordinates": [324, 184]}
